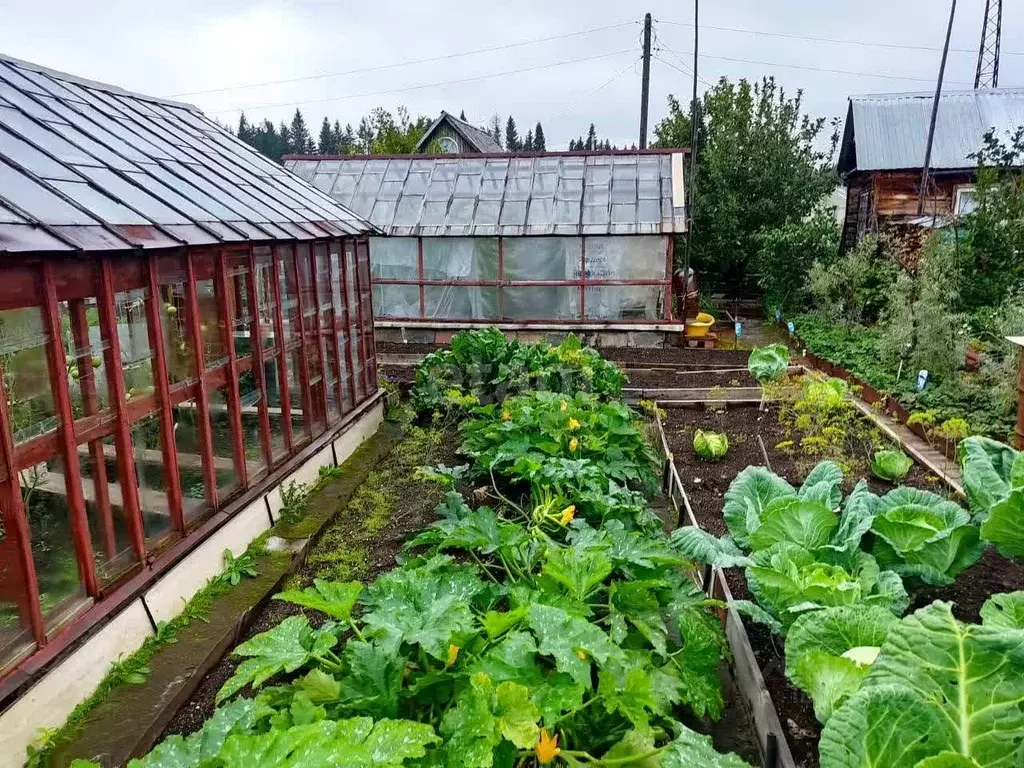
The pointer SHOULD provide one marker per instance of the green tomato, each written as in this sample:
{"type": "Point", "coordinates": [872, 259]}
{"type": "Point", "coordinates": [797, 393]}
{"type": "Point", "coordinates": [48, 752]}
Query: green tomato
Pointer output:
{"type": "Point", "coordinates": [74, 372]}
{"type": "Point", "coordinates": [97, 361]}
{"type": "Point", "coordinates": [172, 310]}
{"type": "Point", "coordinates": [68, 360]}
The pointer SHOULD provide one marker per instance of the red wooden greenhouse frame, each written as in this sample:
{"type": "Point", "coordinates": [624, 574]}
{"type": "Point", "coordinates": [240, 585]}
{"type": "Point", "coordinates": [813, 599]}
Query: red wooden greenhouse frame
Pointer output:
{"type": "Point", "coordinates": [235, 313]}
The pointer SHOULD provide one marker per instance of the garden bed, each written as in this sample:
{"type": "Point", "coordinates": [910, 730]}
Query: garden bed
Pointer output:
{"type": "Point", "coordinates": [706, 484]}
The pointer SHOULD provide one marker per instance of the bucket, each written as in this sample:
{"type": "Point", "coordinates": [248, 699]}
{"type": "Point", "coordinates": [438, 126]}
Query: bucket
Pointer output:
{"type": "Point", "coordinates": [699, 326]}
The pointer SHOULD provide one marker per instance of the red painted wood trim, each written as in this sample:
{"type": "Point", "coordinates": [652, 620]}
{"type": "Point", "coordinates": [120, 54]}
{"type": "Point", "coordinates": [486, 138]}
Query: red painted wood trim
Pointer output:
{"type": "Point", "coordinates": [419, 271]}
{"type": "Point", "coordinates": [202, 396]}
{"type": "Point", "coordinates": [583, 278]}
{"type": "Point", "coordinates": [282, 357]}
{"type": "Point", "coordinates": [167, 445]}
{"type": "Point", "coordinates": [13, 515]}
{"type": "Point", "coordinates": [501, 278]}
{"type": "Point", "coordinates": [222, 294]}
{"type": "Point", "coordinates": [256, 346]}
{"type": "Point", "coordinates": [66, 434]}
{"type": "Point", "coordinates": [359, 305]}
{"type": "Point", "coordinates": [318, 337]}
{"type": "Point", "coordinates": [670, 248]}
{"type": "Point", "coordinates": [373, 334]}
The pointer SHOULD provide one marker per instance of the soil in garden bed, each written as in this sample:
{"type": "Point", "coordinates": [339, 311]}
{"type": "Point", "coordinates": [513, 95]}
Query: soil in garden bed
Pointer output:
{"type": "Point", "coordinates": [667, 379]}
{"type": "Point", "coordinates": [706, 484]}
{"type": "Point", "coordinates": [360, 543]}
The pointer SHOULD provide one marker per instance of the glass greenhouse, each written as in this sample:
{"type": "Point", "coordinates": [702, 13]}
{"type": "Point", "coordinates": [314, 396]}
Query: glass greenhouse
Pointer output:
{"type": "Point", "coordinates": [567, 238]}
{"type": "Point", "coordinates": [182, 322]}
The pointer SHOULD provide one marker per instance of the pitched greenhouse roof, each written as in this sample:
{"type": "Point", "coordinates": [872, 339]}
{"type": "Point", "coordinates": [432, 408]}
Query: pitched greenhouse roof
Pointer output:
{"type": "Point", "coordinates": [475, 137]}
{"type": "Point", "coordinates": [87, 166]}
{"type": "Point", "coordinates": [569, 193]}
{"type": "Point", "coordinates": [888, 132]}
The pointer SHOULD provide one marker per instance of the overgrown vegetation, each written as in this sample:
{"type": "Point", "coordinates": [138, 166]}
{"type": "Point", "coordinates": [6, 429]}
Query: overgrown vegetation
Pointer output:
{"type": "Point", "coordinates": [563, 629]}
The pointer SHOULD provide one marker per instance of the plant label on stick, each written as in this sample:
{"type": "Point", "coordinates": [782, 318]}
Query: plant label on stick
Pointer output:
{"type": "Point", "coordinates": [789, 326]}
{"type": "Point", "coordinates": [922, 379]}
{"type": "Point", "coordinates": [739, 329]}
{"type": "Point", "coordinates": [778, 316]}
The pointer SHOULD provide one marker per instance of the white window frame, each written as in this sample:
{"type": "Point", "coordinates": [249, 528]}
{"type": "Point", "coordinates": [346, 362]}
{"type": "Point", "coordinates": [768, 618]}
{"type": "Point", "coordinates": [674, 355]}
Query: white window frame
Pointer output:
{"type": "Point", "coordinates": [960, 191]}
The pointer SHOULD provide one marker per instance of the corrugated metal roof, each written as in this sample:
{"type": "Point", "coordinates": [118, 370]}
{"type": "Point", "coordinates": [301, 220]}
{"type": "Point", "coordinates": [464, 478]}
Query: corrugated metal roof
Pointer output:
{"type": "Point", "coordinates": [890, 131]}
{"type": "Point", "coordinates": [550, 193]}
{"type": "Point", "coordinates": [475, 137]}
{"type": "Point", "coordinates": [88, 166]}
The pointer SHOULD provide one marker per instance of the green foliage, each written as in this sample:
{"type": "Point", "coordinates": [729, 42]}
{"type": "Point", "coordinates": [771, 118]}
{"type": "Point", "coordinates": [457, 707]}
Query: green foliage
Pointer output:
{"type": "Point", "coordinates": [768, 363]}
{"type": "Point", "coordinates": [891, 465]}
{"type": "Point", "coordinates": [990, 471]}
{"type": "Point", "coordinates": [959, 684]}
{"type": "Point", "coordinates": [237, 567]}
{"type": "Point", "coordinates": [710, 446]}
{"type": "Point", "coordinates": [786, 254]}
{"type": "Point", "coordinates": [756, 144]}
{"type": "Point", "coordinates": [829, 652]}
{"type": "Point", "coordinates": [855, 288]}
{"type": "Point", "coordinates": [483, 367]}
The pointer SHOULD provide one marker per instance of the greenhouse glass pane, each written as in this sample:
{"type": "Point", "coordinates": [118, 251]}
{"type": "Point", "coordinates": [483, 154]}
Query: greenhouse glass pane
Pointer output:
{"type": "Point", "coordinates": [513, 213]}
{"type": "Point", "coordinates": [460, 212]}
{"type": "Point", "coordinates": [543, 258]}
{"type": "Point", "coordinates": [396, 300]}
{"type": "Point", "coordinates": [541, 303]}
{"type": "Point", "coordinates": [433, 214]}
{"type": "Point", "coordinates": [394, 257]}
{"type": "Point", "coordinates": [487, 213]}
{"type": "Point", "coordinates": [626, 258]}
{"type": "Point", "coordinates": [541, 211]}
{"type": "Point", "coordinates": [454, 258]}
{"type": "Point", "coordinates": [460, 302]}
{"type": "Point", "coordinates": [624, 302]}
{"type": "Point", "coordinates": [408, 212]}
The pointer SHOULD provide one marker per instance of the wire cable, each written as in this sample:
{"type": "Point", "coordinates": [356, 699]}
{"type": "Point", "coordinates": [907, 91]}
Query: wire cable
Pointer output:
{"type": "Point", "coordinates": [840, 41]}
{"type": "Point", "coordinates": [408, 63]}
{"type": "Point", "coordinates": [830, 71]}
{"type": "Point", "coordinates": [616, 76]}
{"type": "Point", "coordinates": [687, 69]}
{"type": "Point", "coordinates": [422, 86]}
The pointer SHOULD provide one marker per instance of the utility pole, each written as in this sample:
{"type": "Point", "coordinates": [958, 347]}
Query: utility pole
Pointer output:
{"type": "Point", "coordinates": [926, 172]}
{"type": "Point", "coordinates": [691, 180]}
{"type": "Point", "coordinates": [991, 40]}
{"type": "Point", "coordinates": [645, 83]}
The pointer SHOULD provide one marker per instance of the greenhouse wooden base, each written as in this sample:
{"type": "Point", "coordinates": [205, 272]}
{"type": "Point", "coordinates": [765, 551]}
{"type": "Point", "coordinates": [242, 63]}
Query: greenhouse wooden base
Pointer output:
{"type": "Point", "coordinates": [53, 697]}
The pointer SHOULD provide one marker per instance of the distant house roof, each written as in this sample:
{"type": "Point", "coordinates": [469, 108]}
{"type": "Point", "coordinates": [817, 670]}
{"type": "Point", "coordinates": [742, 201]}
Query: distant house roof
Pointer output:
{"type": "Point", "coordinates": [890, 131]}
{"type": "Point", "coordinates": [87, 166]}
{"type": "Point", "coordinates": [550, 193]}
{"type": "Point", "coordinates": [476, 138]}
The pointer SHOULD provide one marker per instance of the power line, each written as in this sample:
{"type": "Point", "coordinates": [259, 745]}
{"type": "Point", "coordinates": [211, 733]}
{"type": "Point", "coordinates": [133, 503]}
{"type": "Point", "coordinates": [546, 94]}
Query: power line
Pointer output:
{"type": "Point", "coordinates": [421, 87]}
{"type": "Point", "coordinates": [833, 40]}
{"type": "Point", "coordinates": [411, 62]}
{"type": "Point", "coordinates": [612, 79]}
{"type": "Point", "coordinates": [826, 69]}
{"type": "Point", "coordinates": [686, 68]}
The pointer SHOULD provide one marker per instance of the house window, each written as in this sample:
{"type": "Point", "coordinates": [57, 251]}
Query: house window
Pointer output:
{"type": "Point", "coordinates": [966, 201]}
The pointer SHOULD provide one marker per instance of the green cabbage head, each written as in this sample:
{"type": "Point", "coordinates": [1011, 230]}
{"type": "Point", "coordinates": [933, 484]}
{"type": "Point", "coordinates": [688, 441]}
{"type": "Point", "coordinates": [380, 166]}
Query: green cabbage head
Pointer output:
{"type": "Point", "coordinates": [710, 446]}
{"type": "Point", "coordinates": [891, 466]}
{"type": "Point", "coordinates": [768, 363]}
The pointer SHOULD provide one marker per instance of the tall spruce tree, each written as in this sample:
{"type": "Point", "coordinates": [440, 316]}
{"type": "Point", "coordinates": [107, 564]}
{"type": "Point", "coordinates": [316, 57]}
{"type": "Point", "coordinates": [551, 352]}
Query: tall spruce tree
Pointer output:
{"type": "Point", "coordinates": [592, 138]}
{"type": "Point", "coordinates": [245, 131]}
{"type": "Point", "coordinates": [284, 141]}
{"type": "Point", "coordinates": [347, 144]}
{"type": "Point", "coordinates": [462, 115]}
{"type": "Point", "coordinates": [538, 138]}
{"type": "Point", "coordinates": [527, 145]}
{"type": "Point", "coordinates": [299, 139]}
{"type": "Point", "coordinates": [326, 145]}
{"type": "Point", "coordinates": [512, 143]}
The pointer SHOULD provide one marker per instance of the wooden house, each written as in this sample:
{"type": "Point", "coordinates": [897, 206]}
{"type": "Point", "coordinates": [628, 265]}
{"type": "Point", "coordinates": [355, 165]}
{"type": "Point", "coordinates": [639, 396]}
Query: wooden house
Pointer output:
{"type": "Point", "coordinates": [883, 149]}
{"type": "Point", "coordinates": [451, 136]}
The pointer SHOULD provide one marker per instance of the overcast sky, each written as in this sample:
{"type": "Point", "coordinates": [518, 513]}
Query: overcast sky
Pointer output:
{"type": "Point", "coordinates": [182, 48]}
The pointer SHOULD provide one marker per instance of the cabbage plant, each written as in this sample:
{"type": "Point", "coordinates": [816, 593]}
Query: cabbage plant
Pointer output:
{"type": "Point", "coordinates": [891, 466]}
{"type": "Point", "coordinates": [993, 477]}
{"type": "Point", "coordinates": [710, 446]}
{"type": "Point", "coordinates": [829, 652]}
{"type": "Point", "coordinates": [923, 536]}
{"type": "Point", "coordinates": [940, 693]}
{"type": "Point", "coordinates": [768, 363]}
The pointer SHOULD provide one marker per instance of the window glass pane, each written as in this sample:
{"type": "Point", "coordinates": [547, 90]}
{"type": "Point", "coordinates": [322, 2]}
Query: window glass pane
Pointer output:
{"type": "Point", "coordinates": [241, 315]}
{"type": "Point", "coordinates": [137, 198]}
{"type": "Point", "coordinates": [460, 212]}
{"type": "Point", "coordinates": [173, 306]}
{"type": "Point", "coordinates": [26, 374]}
{"type": "Point", "coordinates": [513, 213]}
{"type": "Point", "coordinates": [104, 507]}
{"type": "Point", "coordinates": [541, 303]}
{"type": "Point", "coordinates": [38, 201]}
{"type": "Point", "coordinates": [251, 399]}
{"type": "Point", "coordinates": [272, 375]}
{"type": "Point", "coordinates": [136, 358]}
{"type": "Point", "coordinates": [541, 211]}
{"type": "Point", "coordinates": [408, 212]}
{"type": "Point", "coordinates": [289, 295]}
{"type": "Point", "coordinates": [190, 462]}
{"type": "Point", "coordinates": [433, 214]}
{"type": "Point", "coordinates": [101, 205]}
{"type": "Point", "coordinates": [15, 606]}
{"type": "Point", "coordinates": [266, 302]}
{"type": "Point", "coordinates": [44, 494]}
{"type": "Point", "coordinates": [211, 325]}
{"type": "Point", "coordinates": [626, 258]}
{"type": "Point", "coordinates": [86, 358]}
{"type": "Point", "coordinates": [452, 258]}
{"type": "Point", "coordinates": [354, 320]}
{"type": "Point", "coordinates": [543, 258]}
{"type": "Point", "coordinates": [457, 302]}
{"type": "Point", "coordinates": [624, 302]}
{"type": "Point", "coordinates": [298, 399]}
{"type": "Point", "coordinates": [396, 300]}
{"type": "Point", "coordinates": [148, 465]}
{"type": "Point", "coordinates": [223, 444]}
{"type": "Point", "coordinates": [487, 213]}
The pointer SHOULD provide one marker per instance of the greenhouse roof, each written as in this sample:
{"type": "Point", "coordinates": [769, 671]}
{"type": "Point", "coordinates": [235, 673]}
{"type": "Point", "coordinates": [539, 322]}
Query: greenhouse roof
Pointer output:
{"type": "Point", "coordinates": [568, 193]}
{"type": "Point", "coordinates": [86, 166]}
